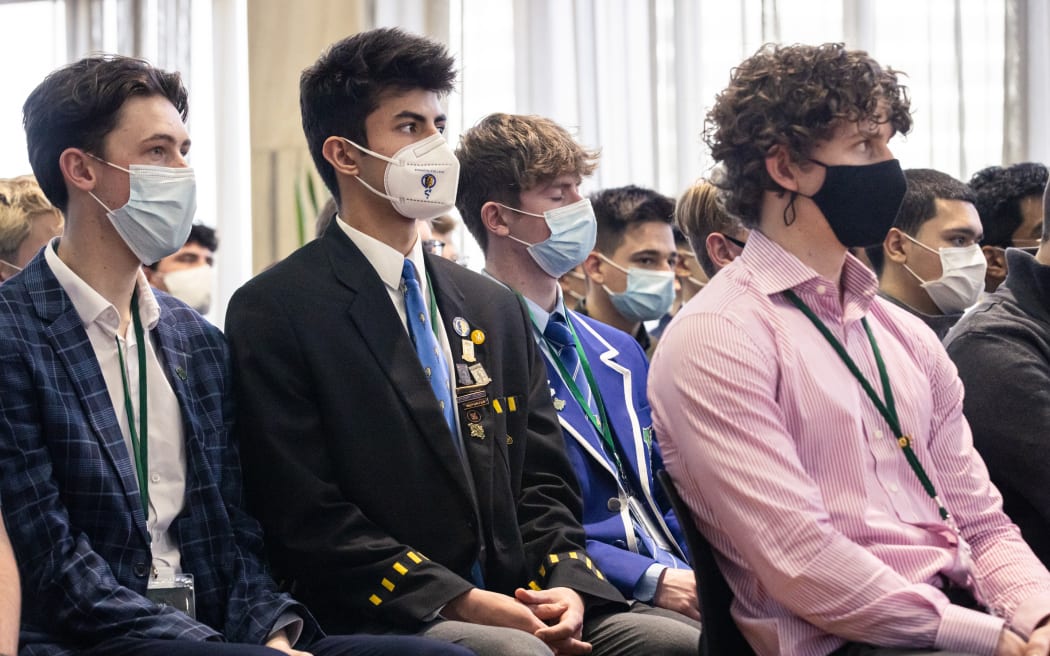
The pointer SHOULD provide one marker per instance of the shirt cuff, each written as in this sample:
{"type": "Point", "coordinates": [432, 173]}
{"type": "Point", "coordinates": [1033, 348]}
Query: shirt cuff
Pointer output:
{"type": "Point", "coordinates": [968, 631]}
{"type": "Point", "coordinates": [292, 625]}
{"type": "Point", "coordinates": [1030, 613]}
{"type": "Point", "coordinates": [645, 588]}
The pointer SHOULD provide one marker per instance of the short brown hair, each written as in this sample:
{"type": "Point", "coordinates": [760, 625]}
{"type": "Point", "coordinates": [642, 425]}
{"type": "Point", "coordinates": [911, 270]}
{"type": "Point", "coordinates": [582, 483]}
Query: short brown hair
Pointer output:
{"type": "Point", "coordinates": [698, 214]}
{"type": "Point", "coordinates": [505, 154]}
{"type": "Point", "coordinates": [21, 201]}
{"type": "Point", "coordinates": [443, 224]}
{"type": "Point", "coordinates": [793, 96]}
{"type": "Point", "coordinates": [77, 105]}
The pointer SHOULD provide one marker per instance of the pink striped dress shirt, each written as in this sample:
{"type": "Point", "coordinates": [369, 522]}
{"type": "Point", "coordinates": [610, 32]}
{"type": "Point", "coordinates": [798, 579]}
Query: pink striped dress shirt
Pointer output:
{"type": "Point", "coordinates": [823, 530]}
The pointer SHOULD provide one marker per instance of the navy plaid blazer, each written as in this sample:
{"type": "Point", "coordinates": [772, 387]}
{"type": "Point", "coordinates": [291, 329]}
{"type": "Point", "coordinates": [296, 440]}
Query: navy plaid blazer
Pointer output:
{"type": "Point", "coordinates": [70, 495]}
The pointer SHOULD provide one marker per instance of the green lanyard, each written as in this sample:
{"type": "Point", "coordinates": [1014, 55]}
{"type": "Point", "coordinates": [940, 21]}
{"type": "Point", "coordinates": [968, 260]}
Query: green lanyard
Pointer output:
{"type": "Point", "coordinates": [139, 441]}
{"type": "Point", "coordinates": [433, 307]}
{"type": "Point", "coordinates": [601, 423]}
{"type": "Point", "coordinates": [888, 410]}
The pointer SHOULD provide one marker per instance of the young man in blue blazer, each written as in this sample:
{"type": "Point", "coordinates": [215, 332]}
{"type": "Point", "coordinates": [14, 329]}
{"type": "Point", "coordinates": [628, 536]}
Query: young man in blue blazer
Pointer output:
{"type": "Point", "coordinates": [519, 196]}
{"type": "Point", "coordinates": [121, 486]}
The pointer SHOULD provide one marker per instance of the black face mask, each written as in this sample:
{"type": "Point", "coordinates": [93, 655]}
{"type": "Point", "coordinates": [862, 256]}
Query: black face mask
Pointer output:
{"type": "Point", "coordinates": [860, 203]}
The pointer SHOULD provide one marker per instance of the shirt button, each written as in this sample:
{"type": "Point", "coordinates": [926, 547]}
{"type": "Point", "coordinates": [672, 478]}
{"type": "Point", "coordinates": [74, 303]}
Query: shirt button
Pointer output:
{"type": "Point", "coordinates": [155, 477]}
{"type": "Point", "coordinates": [878, 433]}
{"type": "Point", "coordinates": [614, 504]}
{"type": "Point", "coordinates": [821, 289]}
{"type": "Point", "coordinates": [894, 488]}
{"type": "Point", "coordinates": [140, 569]}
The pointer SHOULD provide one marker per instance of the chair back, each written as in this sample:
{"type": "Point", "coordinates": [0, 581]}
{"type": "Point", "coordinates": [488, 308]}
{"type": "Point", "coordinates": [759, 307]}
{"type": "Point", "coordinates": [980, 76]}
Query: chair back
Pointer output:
{"type": "Point", "coordinates": [720, 635]}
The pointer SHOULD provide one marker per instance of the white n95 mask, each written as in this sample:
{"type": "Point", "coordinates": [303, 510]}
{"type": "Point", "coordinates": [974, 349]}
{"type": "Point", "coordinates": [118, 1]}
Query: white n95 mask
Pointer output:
{"type": "Point", "coordinates": [573, 233]}
{"type": "Point", "coordinates": [156, 220]}
{"type": "Point", "coordinates": [962, 277]}
{"type": "Point", "coordinates": [191, 286]}
{"type": "Point", "coordinates": [421, 179]}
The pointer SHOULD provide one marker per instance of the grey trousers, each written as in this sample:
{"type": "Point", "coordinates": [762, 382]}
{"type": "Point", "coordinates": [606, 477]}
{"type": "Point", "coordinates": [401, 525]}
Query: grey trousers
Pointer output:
{"type": "Point", "coordinates": [643, 630]}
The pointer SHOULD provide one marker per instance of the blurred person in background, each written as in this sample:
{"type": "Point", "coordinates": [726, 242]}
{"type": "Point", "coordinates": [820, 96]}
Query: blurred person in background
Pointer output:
{"type": "Point", "coordinates": [27, 222]}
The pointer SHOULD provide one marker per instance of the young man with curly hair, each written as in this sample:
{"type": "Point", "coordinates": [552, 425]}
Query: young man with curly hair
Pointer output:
{"type": "Point", "coordinates": [815, 429]}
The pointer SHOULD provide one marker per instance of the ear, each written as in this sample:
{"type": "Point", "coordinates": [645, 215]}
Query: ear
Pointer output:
{"type": "Point", "coordinates": [78, 169]}
{"type": "Point", "coordinates": [719, 250]}
{"type": "Point", "coordinates": [893, 246]}
{"type": "Point", "coordinates": [342, 156]}
{"type": "Point", "coordinates": [592, 268]}
{"type": "Point", "coordinates": [780, 167]}
{"type": "Point", "coordinates": [493, 220]}
{"type": "Point", "coordinates": [996, 258]}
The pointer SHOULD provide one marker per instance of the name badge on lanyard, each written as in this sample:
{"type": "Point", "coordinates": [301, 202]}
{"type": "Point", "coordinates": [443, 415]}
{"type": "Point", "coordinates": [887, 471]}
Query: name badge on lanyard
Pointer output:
{"type": "Point", "coordinates": [166, 588]}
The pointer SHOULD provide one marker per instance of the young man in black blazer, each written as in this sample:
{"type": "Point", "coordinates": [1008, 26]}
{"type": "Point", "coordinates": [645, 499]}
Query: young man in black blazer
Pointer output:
{"type": "Point", "coordinates": [399, 440]}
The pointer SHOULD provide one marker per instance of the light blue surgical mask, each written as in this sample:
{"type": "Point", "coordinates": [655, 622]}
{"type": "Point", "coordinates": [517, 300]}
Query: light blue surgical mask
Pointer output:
{"type": "Point", "coordinates": [157, 218]}
{"type": "Point", "coordinates": [573, 232]}
{"type": "Point", "coordinates": [649, 294]}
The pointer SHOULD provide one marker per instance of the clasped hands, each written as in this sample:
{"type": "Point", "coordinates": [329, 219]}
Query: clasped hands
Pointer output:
{"type": "Point", "coordinates": [555, 616]}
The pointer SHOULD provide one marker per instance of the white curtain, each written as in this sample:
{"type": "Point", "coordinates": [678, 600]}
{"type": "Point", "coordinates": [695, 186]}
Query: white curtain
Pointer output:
{"type": "Point", "coordinates": [636, 77]}
{"type": "Point", "coordinates": [1027, 82]}
{"type": "Point", "coordinates": [156, 30]}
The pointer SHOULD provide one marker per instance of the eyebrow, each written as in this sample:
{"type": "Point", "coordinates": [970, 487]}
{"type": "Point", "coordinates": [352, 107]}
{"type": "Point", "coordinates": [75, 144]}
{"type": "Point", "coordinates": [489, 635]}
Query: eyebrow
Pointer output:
{"type": "Point", "coordinates": [161, 136]}
{"type": "Point", "coordinates": [419, 117]}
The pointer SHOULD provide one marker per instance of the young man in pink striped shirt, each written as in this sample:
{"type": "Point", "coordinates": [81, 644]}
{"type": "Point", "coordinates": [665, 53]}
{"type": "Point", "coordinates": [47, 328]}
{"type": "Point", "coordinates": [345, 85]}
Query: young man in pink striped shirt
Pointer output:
{"type": "Point", "coordinates": [816, 430]}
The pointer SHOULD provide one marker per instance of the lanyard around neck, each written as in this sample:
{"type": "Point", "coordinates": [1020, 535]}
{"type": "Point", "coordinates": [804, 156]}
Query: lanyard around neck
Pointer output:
{"type": "Point", "coordinates": [139, 438]}
{"type": "Point", "coordinates": [887, 409]}
{"type": "Point", "coordinates": [600, 422]}
{"type": "Point", "coordinates": [433, 305]}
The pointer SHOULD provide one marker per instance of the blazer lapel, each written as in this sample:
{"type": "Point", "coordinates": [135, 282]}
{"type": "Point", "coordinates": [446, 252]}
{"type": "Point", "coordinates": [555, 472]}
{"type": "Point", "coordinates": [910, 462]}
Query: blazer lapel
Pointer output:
{"type": "Point", "coordinates": [617, 383]}
{"type": "Point", "coordinates": [476, 424]}
{"type": "Point", "coordinates": [174, 358]}
{"type": "Point", "coordinates": [70, 342]}
{"type": "Point", "coordinates": [379, 326]}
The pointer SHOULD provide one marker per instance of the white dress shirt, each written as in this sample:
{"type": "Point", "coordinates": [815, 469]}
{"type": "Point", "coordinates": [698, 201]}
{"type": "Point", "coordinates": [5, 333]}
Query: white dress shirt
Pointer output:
{"type": "Point", "coordinates": [167, 450]}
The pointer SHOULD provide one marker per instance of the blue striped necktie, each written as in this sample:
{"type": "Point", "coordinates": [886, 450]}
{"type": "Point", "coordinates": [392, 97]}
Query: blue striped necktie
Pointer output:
{"type": "Point", "coordinates": [564, 346]}
{"type": "Point", "coordinates": [430, 357]}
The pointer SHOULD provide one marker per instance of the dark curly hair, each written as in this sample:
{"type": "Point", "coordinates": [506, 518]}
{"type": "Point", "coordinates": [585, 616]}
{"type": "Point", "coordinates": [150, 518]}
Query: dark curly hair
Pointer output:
{"type": "Point", "coordinates": [793, 96]}
{"type": "Point", "coordinates": [1000, 191]}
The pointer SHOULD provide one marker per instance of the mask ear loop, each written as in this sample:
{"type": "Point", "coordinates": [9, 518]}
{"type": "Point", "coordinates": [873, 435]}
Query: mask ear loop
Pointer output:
{"type": "Point", "coordinates": [790, 207]}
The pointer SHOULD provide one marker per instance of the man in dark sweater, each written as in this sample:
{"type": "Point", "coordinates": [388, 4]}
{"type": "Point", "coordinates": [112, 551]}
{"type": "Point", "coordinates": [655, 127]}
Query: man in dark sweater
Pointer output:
{"type": "Point", "coordinates": [1002, 350]}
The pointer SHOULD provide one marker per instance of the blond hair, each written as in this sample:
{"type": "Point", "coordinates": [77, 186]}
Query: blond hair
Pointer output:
{"type": "Point", "coordinates": [698, 214]}
{"type": "Point", "coordinates": [21, 201]}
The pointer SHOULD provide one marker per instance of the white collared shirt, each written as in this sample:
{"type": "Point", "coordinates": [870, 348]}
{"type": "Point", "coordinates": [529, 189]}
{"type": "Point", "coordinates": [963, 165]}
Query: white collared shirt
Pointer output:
{"type": "Point", "coordinates": [167, 448]}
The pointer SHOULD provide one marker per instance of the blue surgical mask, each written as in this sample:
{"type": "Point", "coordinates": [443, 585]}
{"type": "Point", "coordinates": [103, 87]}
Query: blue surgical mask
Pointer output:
{"type": "Point", "coordinates": [573, 232]}
{"type": "Point", "coordinates": [649, 294]}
